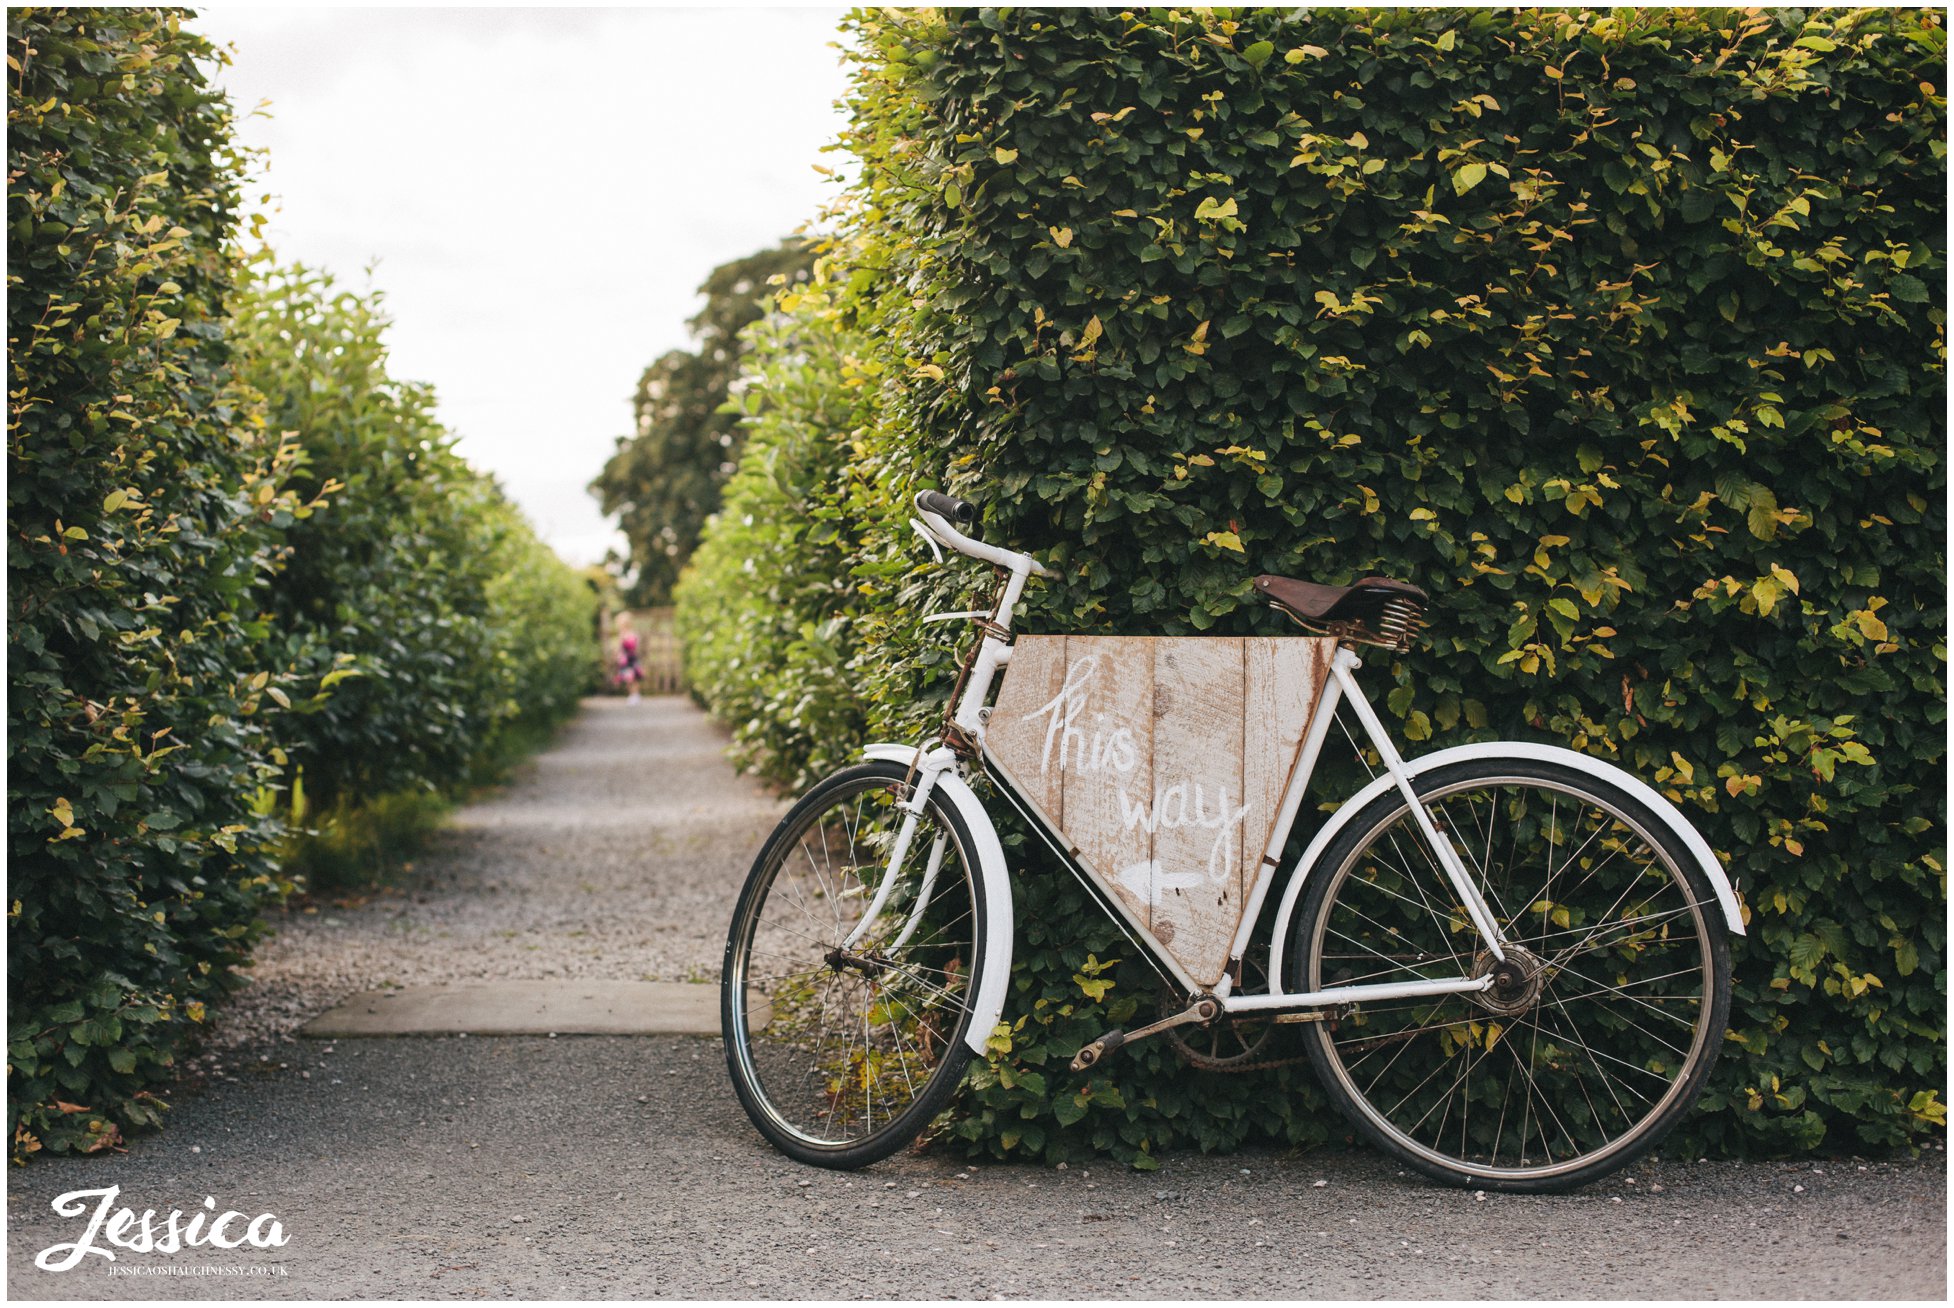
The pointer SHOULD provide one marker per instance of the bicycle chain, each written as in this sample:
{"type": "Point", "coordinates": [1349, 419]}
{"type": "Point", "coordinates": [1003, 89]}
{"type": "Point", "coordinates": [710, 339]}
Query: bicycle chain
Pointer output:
{"type": "Point", "coordinates": [1206, 1064]}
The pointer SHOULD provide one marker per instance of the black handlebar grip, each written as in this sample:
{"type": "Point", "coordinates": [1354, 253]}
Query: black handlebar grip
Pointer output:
{"type": "Point", "coordinates": [946, 506]}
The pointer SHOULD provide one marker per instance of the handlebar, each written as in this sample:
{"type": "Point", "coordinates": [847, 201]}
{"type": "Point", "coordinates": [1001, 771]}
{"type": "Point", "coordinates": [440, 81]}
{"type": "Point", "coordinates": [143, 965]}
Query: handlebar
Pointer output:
{"type": "Point", "coordinates": [935, 512]}
{"type": "Point", "coordinates": [947, 506]}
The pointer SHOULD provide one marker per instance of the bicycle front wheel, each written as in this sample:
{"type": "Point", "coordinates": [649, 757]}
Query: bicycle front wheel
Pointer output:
{"type": "Point", "coordinates": [844, 1045]}
{"type": "Point", "coordinates": [1605, 1017]}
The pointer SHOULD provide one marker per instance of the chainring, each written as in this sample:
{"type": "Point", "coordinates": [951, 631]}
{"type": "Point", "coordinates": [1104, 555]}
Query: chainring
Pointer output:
{"type": "Point", "coordinates": [1228, 1044]}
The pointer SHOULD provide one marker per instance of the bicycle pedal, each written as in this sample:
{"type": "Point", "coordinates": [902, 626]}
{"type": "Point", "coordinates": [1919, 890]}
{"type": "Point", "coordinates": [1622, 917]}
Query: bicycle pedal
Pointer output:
{"type": "Point", "coordinates": [1095, 1053]}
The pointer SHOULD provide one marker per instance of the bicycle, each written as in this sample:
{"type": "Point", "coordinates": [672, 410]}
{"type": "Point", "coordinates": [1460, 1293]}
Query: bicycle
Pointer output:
{"type": "Point", "coordinates": [1508, 961]}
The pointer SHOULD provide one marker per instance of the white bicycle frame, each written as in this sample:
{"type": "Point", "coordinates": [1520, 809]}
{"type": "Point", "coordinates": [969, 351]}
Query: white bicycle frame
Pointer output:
{"type": "Point", "coordinates": [938, 768]}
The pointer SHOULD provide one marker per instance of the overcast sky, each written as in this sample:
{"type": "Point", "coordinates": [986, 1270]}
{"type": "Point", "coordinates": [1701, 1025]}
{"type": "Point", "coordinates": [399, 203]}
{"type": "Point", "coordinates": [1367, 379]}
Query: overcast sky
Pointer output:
{"type": "Point", "coordinates": [540, 193]}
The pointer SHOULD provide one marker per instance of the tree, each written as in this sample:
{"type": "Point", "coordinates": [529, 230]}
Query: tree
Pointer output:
{"type": "Point", "coordinates": [664, 479]}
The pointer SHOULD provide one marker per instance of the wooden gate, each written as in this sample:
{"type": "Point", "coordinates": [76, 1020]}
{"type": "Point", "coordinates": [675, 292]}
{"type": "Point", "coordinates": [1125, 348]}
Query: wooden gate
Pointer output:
{"type": "Point", "coordinates": [659, 651]}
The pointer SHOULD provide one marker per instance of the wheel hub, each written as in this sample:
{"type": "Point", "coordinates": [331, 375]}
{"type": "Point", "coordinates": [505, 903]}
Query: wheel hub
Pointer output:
{"type": "Point", "coordinates": [1517, 981]}
{"type": "Point", "coordinates": [839, 960]}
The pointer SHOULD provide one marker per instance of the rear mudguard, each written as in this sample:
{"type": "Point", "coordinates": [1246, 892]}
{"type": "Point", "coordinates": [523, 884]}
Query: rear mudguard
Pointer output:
{"type": "Point", "coordinates": [1638, 789]}
{"type": "Point", "coordinates": [999, 923]}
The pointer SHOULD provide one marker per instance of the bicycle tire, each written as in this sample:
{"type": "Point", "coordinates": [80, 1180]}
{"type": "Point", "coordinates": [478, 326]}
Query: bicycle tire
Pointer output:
{"type": "Point", "coordinates": [1573, 992]}
{"type": "Point", "coordinates": [790, 1011]}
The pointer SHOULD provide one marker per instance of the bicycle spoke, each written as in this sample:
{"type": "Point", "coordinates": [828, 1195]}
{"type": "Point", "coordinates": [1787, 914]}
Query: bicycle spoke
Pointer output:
{"type": "Point", "coordinates": [1630, 924]}
{"type": "Point", "coordinates": [1401, 898]}
{"type": "Point", "coordinates": [1486, 887]}
{"type": "Point", "coordinates": [1416, 884]}
{"type": "Point", "coordinates": [1375, 953]}
{"type": "Point", "coordinates": [1541, 1018]}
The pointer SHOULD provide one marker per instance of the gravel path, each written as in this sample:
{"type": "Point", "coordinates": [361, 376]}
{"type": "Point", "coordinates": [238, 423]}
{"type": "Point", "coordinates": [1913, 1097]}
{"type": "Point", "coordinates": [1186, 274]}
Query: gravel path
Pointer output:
{"type": "Point", "coordinates": [602, 1167]}
{"type": "Point", "coordinates": [615, 854]}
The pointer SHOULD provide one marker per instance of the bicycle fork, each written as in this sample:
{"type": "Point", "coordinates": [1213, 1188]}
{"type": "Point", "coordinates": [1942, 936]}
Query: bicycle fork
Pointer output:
{"type": "Point", "coordinates": [905, 837]}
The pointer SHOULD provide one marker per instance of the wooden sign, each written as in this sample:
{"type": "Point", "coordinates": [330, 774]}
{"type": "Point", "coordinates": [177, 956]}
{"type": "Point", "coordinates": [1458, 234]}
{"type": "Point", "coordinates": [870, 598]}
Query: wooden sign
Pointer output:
{"type": "Point", "coordinates": [1162, 761]}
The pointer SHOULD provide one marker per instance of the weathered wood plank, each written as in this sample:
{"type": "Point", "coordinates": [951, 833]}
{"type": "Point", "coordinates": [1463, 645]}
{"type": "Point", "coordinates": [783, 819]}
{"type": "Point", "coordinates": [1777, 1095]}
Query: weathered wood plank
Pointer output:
{"type": "Point", "coordinates": [1022, 720]}
{"type": "Point", "coordinates": [1162, 762]}
{"type": "Point", "coordinates": [1106, 753]}
{"type": "Point", "coordinates": [1196, 808]}
{"type": "Point", "coordinates": [1284, 677]}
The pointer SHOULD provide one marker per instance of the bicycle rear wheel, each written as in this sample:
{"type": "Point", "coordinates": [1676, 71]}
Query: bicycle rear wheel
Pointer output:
{"type": "Point", "coordinates": [842, 1054]}
{"type": "Point", "coordinates": [1606, 1016]}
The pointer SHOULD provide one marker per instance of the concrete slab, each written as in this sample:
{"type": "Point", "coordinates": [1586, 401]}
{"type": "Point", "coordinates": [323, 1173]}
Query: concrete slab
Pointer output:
{"type": "Point", "coordinates": [514, 1008]}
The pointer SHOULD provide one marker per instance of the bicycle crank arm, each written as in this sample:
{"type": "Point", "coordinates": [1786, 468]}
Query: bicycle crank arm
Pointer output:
{"type": "Point", "coordinates": [1201, 1011]}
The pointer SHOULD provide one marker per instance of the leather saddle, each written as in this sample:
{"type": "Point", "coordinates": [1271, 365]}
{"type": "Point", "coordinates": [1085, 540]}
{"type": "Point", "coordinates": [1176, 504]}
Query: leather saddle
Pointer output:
{"type": "Point", "coordinates": [1372, 610]}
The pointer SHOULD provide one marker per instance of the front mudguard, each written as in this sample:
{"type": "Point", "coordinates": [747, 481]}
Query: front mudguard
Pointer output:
{"type": "Point", "coordinates": [999, 921]}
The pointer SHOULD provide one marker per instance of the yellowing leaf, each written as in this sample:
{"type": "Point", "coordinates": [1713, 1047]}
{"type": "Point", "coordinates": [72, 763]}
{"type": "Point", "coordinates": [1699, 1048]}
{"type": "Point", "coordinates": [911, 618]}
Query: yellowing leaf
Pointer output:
{"type": "Point", "coordinates": [1226, 540]}
{"type": "Point", "coordinates": [1210, 209]}
{"type": "Point", "coordinates": [1062, 237]}
{"type": "Point", "coordinates": [1468, 176]}
{"type": "Point", "coordinates": [1005, 156]}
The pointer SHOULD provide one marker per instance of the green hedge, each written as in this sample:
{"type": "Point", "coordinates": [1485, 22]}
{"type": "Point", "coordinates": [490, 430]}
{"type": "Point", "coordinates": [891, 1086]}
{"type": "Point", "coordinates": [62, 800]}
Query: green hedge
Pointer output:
{"type": "Point", "coordinates": [141, 520]}
{"type": "Point", "coordinates": [167, 542]}
{"type": "Point", "coordinates": [1622, 333]}
{"type": "Point", "coordinates": [421, 598]}
{"type": "Point", "coordinates": [764, 607]}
